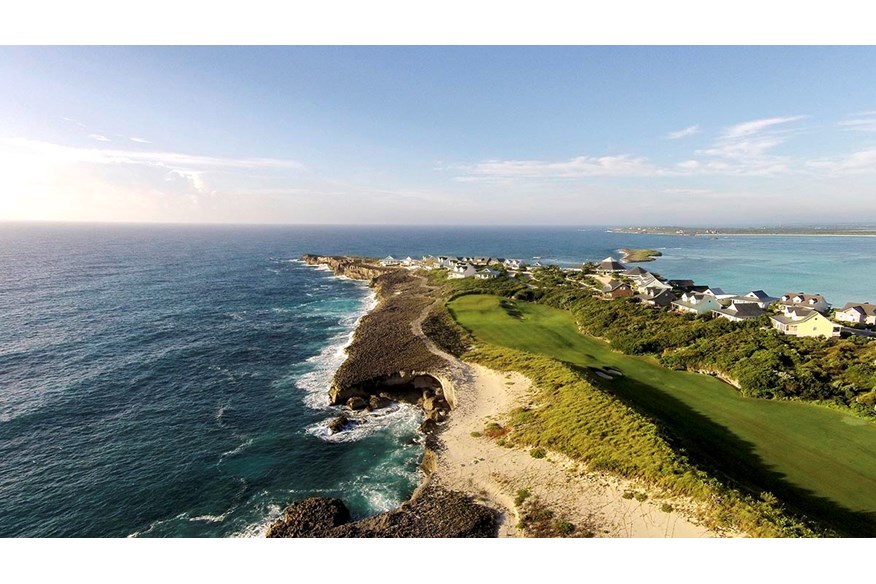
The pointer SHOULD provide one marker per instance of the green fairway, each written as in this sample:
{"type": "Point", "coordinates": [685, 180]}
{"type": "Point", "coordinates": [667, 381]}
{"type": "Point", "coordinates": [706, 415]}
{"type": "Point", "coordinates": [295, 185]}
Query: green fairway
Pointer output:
{"type": "Point", "coordinates": [820, 461]}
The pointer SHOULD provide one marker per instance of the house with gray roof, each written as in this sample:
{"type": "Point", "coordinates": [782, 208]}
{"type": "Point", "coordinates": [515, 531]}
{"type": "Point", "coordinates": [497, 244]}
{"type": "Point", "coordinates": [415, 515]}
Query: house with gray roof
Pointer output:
{"type": "Point", "coordinates": [693, 303]}
{"type": "Point", "coordinates": [486, 274]}
{"type": "Point", "coordinates": [617, 289]}
{"type": "Point", "coordinates": [657, 298]}
{"type": "Point", "coordinates": [810, 301]}
{"type": "Point", "coordinates": [758, 297]}
{"type": "Point", "coordinates": [857, 313]}
{"type": "Point", "coordinates": [805, 323]}
{"type": "Point", "coordinates": [462, 271]}
{"type": "Point", "coordinates": [610, 266]}
{"type": "Point", "coordinates": [740, 312]}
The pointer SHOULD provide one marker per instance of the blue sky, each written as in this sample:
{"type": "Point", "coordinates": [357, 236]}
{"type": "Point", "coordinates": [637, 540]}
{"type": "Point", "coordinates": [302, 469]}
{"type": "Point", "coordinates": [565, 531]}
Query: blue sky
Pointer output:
{"type": "Point", "coordinates": [420, 135]}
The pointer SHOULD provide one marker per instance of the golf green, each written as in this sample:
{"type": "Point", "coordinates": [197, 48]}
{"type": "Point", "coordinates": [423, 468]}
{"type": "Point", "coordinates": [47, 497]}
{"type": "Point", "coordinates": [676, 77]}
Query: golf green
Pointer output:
{"type": "Point", "coordinates": [820, 461]}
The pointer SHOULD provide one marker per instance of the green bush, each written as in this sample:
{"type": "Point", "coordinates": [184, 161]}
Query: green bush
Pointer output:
{"type": "Point", "coordinates": [522, 495]}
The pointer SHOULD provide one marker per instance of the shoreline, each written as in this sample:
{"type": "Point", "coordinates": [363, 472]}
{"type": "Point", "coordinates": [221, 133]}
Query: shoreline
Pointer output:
{"type": "Point", "coordinates": [457, 460]}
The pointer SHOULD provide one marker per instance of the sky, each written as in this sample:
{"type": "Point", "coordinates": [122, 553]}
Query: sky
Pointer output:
{"type": "Point", "coordinates": [703, 136]}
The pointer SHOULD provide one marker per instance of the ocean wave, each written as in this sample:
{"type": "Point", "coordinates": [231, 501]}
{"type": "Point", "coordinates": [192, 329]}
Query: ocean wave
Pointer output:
{"type": "Point", "coordinates": [324, 364]}
{"type": "Point", "coordinates": [213, 518]}
{"type": "Point", "coordinates": [258, 529]}
{"type": "Point", "coordinates": [240, 448]}
{"type": "Point", "coordinates": [398, 419]}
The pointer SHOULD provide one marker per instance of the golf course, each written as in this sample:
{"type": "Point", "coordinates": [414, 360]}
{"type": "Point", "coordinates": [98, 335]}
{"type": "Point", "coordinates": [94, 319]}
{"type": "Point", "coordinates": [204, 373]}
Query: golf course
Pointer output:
{"type": "Point", "coordinates": [819, 461]}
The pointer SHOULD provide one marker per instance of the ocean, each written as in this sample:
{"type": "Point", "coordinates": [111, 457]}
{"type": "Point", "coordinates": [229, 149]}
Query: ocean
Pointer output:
{"type": "Point", "coordinates": [168, 381]}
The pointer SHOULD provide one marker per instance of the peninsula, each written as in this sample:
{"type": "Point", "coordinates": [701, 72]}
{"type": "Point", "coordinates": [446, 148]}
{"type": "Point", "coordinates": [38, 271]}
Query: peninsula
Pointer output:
{"type": "Point", "coordinates": [639, 255]}
{"type": "Point", "coordinates": [535, 429]}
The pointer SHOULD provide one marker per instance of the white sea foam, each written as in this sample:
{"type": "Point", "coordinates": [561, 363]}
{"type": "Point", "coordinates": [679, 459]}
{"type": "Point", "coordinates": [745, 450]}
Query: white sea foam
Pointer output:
{"type": "Point", "coordinates": [213, 518]}
{"type": "Point", "coordinates": [317, 381]}
{"type": "Point", "coordinates": [240, 448]}
{"type": "Point", "coordinates": [259, 528]}
{"type": "Point", "coordinates": [397, 418]}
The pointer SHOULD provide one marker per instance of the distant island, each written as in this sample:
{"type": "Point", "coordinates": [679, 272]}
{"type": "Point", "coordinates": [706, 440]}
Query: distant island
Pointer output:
{"type": "Point", "coordinates": [812, 231]}
{"type": "Point", "coordinates": [639, 255]}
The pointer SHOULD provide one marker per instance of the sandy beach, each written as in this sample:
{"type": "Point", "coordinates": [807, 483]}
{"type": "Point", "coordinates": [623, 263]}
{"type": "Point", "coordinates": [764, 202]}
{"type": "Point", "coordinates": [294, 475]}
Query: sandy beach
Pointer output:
{"type": "Point", "coordinates": [494, 474]}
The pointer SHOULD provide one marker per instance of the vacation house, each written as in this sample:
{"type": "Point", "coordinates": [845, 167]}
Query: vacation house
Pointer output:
{"type": "Point", "coordinates": [694, 303]}
{"type": "Point", "coordinates": [857, 313]}
{"type": "Point", "coordinates": [805, 323]}
{"type": "Point", "coordinates": [656, 297]}
{"type": "Point", "coordinates": [617, 289]}
{"type": "Point", "coordinates": [740, 312]}
{"type": "Point", "coordinates": [799, 299]}
{"type": "Point", "coordinates": [486, 274]}
{"type": "Point", "coordinates": [610, 266]}
{"type": "Point", "coordinates": [462, 271]}
{"type": "Point", "coordinates": [759, 297]}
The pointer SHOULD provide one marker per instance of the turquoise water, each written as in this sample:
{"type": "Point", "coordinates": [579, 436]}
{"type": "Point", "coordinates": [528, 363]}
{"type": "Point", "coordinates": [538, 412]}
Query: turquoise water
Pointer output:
{"type": "Point", "coordinates": [166, 381]}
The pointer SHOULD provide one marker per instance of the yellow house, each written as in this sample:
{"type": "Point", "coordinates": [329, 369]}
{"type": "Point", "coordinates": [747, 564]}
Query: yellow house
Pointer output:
{"type": "Point", "coordinates": [805, 324]}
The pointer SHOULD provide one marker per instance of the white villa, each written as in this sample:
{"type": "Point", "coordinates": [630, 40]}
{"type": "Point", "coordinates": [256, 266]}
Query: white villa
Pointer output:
{"type": "Point", "coordinates": [652, 282]}
{"type": "Point", "coordinates": [695, 303]}
{"type": "Point", "coordinates": [759, 297]}
{"type": "Point", "coordinates": [810, 301]}
{"type": "Point", "coordinates": [389, 261]}
{"type": "Point", "coordinates": [857, 312]}
{"type": "Point", "coordinates": [462, 271]}
{"type": "Point", "coordinates": [486, 274]}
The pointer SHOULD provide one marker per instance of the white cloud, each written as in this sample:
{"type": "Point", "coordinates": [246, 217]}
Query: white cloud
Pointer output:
{"type": "Point", "coordinates": [99, 137]}
{"type": "Point", "coordinates": [171, 160]}
{"type": "Point", "coordinates": [860, 162]}
{"type": "Point", "coordinates": [684, 133]}
{"type": "Point", "coordinates": [578, 167]}
{"type": "Point", "coordinates": [747, 149]}
{"type": "Point", "coordinates": [683, 191]}
{"type": "Point", "coordinates": [863, 122]}
{"type": "Point", "coordinates": [757, 126]}
{"type": "Point", "coordinates": [139, 140]}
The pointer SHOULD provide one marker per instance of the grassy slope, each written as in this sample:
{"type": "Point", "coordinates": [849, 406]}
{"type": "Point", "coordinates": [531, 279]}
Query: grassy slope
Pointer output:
{"type": "Point", "coordinates": [820, 461]}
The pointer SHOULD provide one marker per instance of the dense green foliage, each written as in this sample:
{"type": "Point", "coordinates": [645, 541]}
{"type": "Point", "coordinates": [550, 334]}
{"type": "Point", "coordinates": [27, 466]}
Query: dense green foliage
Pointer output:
{"type": "Point", "coordinates": [820, 460]}
{"type": "Point", "coordinates": [760, 361]}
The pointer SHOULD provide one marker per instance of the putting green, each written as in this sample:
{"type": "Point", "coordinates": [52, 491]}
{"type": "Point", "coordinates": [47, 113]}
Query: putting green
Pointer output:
{"type": "Point", "coordinates": [820, 461]}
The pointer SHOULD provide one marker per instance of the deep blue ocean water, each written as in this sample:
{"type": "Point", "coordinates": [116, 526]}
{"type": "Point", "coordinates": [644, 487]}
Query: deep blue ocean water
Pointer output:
{"type": "Point", "coordinates": [170, 380]}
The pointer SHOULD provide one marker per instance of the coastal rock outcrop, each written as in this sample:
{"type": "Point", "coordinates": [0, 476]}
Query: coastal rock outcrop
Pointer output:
{"type": "Point", "coordinates": [386, 357]}
{"type": "Point", "coordinates": [432, 511]}
{"type": "Point", "coordinates": [313, 517]}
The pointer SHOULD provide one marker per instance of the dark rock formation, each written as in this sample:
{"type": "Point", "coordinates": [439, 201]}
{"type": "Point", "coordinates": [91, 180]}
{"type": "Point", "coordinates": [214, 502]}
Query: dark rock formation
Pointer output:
{"type": "Point", "coordinates": [357, 403]}
{"type": "Point", "coordinates": [313, 517]}
{"type": "Point", "coordinates": [337, 424]}
{"type": "Point", "coordinates": [432, 512]}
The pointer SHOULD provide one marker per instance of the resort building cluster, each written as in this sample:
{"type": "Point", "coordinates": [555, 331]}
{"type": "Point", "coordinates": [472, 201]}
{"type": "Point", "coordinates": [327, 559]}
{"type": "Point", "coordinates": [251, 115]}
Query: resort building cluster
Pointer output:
{"type": "Point", "coordinates": [794, 313]}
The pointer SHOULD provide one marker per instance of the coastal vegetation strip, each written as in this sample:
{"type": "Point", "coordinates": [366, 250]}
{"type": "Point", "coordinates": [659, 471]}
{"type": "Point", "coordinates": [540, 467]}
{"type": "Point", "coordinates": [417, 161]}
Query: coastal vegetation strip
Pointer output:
{"type": "Point", "coordinates": [760, 362]}
{"type": "Point", "coordinates": [806, 455]}
{"type": "Point", "coordinates": [640, 255]}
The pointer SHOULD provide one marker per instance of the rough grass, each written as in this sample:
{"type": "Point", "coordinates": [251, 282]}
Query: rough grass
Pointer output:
{"type": "Point", "coordinates": [599, 426]}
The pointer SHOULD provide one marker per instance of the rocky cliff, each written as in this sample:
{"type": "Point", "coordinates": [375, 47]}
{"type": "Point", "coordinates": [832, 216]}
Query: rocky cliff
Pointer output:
{"type": "Point", "coordinates": [432, 512]}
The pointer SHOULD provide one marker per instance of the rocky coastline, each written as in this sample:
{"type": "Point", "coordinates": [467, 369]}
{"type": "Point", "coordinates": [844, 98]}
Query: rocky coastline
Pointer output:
{"type": "Point", "coordinates": [389, 359]}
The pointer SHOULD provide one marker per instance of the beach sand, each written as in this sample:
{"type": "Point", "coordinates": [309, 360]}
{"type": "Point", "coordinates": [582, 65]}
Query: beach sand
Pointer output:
{"type": "Point", "coordinates": [493, 474]}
